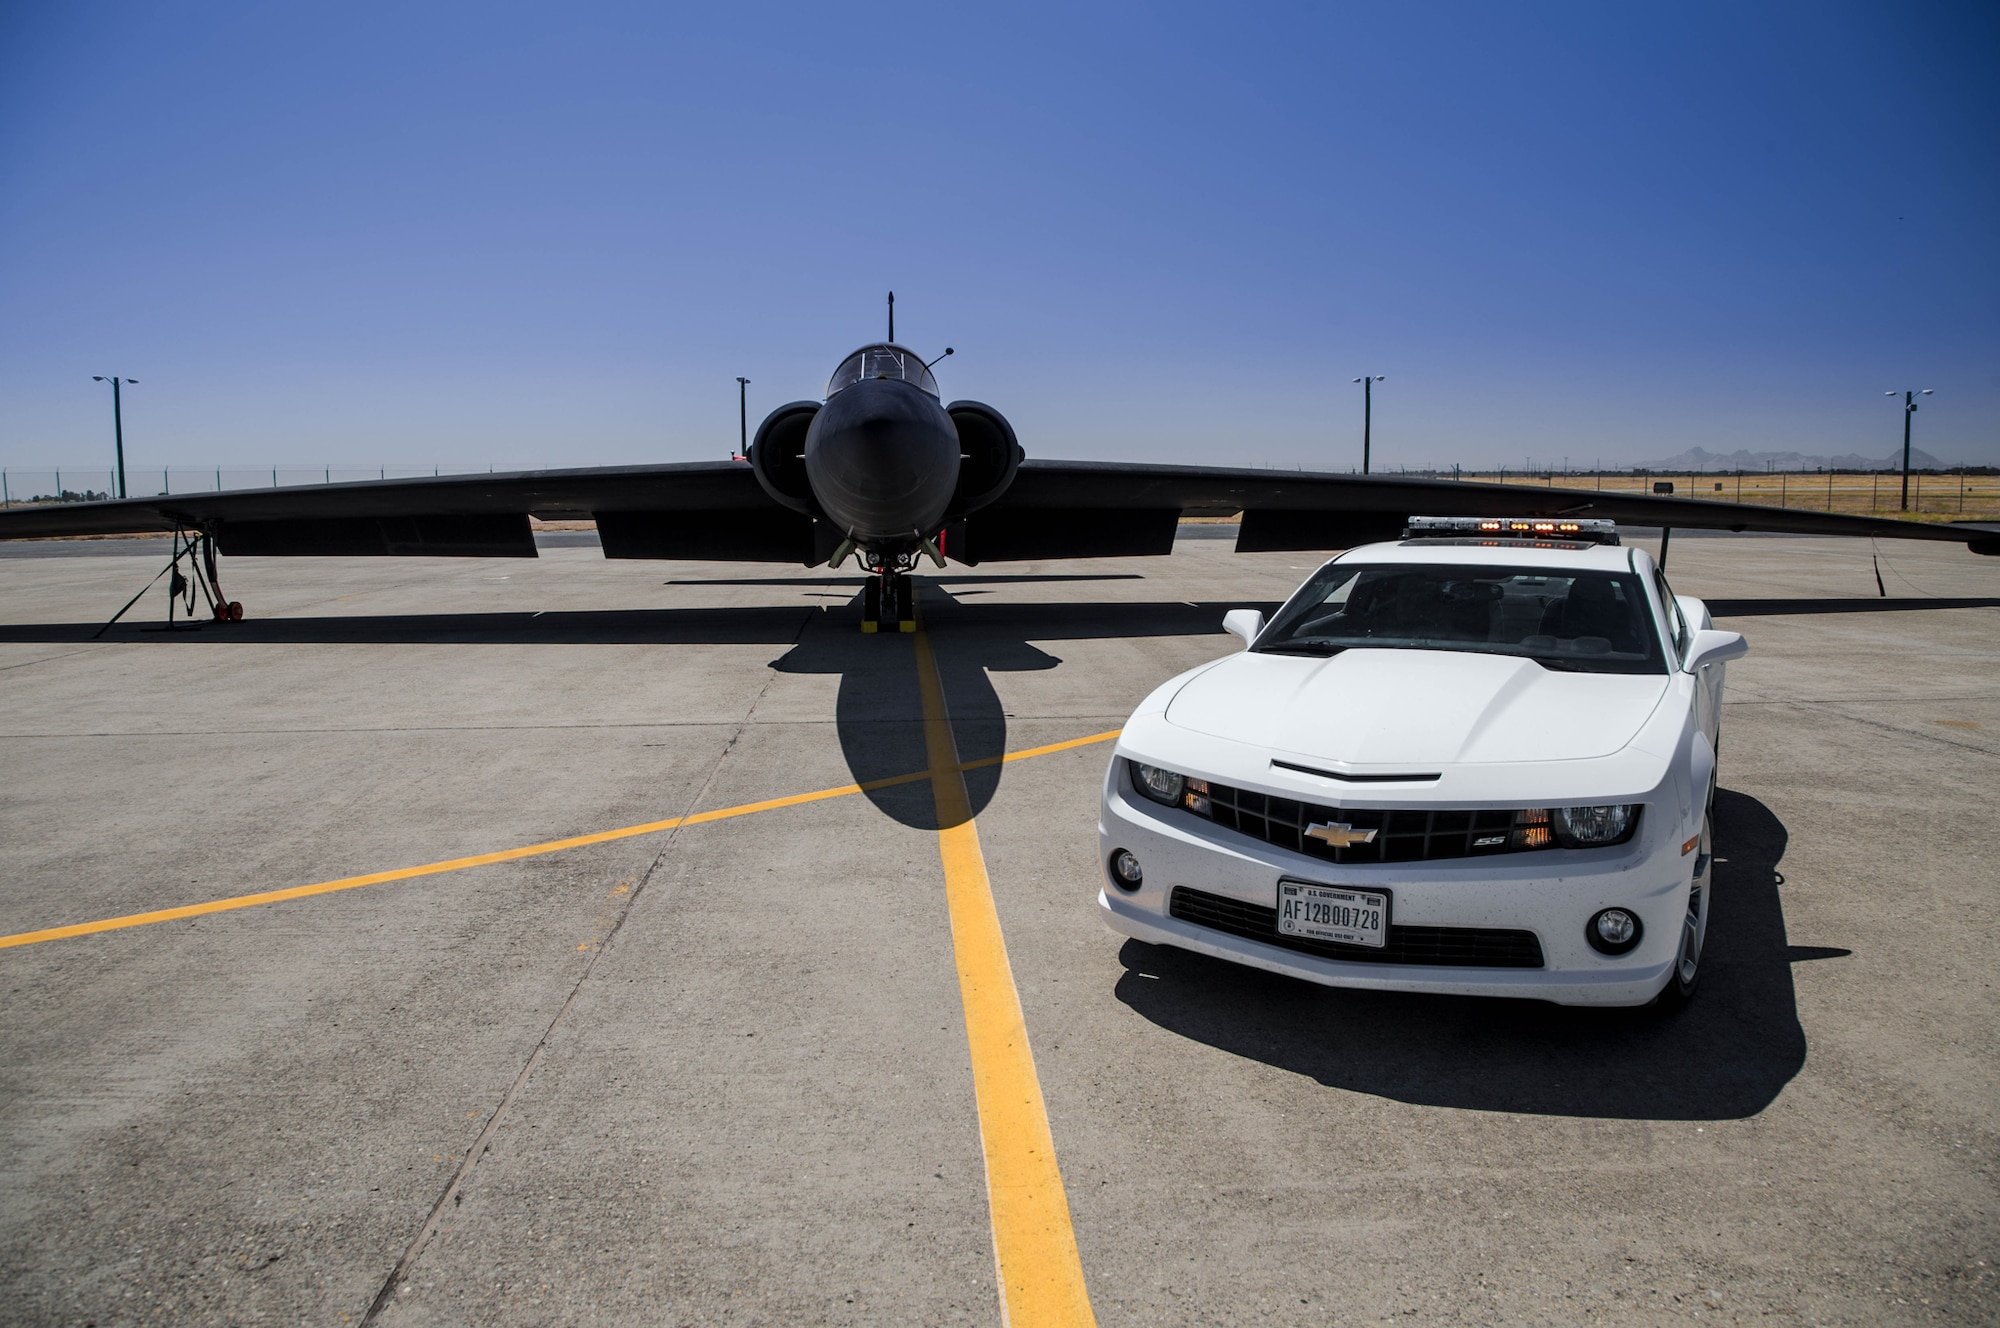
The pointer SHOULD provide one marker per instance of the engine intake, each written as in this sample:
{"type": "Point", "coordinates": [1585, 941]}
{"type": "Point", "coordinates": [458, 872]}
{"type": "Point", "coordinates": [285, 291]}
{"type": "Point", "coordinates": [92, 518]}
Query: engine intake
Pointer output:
{"type": "Point", "coordinates": [989, 455]}
{"type": "Point", "coordinates": [778, 456]}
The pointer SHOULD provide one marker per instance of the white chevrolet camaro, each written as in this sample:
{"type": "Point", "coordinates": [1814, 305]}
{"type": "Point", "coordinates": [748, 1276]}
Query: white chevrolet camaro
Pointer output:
{"type": "Point", "coordinates": [1480, 760]}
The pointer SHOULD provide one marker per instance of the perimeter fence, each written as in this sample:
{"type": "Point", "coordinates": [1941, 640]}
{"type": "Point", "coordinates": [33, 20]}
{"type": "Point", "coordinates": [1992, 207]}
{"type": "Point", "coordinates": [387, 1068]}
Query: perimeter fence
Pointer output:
{"type": "Point", "coordinates": [76, 484]}
{"type": "Point", "coordinates": [1972, 492]}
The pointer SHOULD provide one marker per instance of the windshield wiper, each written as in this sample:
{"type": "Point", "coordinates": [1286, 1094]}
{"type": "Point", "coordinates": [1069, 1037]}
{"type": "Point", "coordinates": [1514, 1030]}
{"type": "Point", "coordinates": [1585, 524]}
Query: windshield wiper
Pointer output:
{"type": "Point", "coordinates": [1300, 648]}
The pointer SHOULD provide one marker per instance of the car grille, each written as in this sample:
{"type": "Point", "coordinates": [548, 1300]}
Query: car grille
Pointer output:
{"type": "Point", "coordinates": [1452, 947]}
{"type": "Point", "coordinates": [1418, 835]}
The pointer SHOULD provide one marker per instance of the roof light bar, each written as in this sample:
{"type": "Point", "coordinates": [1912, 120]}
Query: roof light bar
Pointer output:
{"type": "Point", "coordinates": [1594, 530]}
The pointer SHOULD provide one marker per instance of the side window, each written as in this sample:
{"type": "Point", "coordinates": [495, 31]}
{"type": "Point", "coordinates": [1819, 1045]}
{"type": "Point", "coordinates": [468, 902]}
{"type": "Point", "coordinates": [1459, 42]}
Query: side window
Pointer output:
{"type": "Point", "coordinates": [1676, 620]}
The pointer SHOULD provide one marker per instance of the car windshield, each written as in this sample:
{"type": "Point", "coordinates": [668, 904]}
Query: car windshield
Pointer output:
{"type": "Point", "coordinates": [882, 361]}
{"type": "Point", "coordinates": [1581, 621]}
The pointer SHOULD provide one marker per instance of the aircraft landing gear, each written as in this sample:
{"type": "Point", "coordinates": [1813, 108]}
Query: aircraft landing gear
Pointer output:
{"type": "Point", "coordinates": [889, 603]}
{"type": "Point", "coordinates": [198, 548]}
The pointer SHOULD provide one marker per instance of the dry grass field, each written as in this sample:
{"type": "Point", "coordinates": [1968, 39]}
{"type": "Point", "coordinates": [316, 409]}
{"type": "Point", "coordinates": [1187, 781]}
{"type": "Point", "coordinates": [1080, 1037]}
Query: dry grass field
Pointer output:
{"type": "Point", "coordinates": [1935, 497]}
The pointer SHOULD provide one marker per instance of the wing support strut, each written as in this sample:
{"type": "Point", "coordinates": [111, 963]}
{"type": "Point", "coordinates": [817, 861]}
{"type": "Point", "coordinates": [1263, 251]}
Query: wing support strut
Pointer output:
{"type": "Point", "coordinates": [202, 579]}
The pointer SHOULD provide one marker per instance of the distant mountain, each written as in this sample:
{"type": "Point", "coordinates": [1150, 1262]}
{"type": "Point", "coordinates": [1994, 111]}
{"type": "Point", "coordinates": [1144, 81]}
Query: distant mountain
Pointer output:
{"type": "Point", "coordinates": [1700, 459]}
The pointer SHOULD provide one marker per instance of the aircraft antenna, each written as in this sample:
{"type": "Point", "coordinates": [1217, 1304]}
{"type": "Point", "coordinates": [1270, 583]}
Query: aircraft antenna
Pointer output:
{"type": "Point", "coordinates": [892, 315]}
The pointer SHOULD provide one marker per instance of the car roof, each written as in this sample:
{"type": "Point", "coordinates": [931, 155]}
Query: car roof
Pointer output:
{"type": "Point", "coordinates": [1548, 554]}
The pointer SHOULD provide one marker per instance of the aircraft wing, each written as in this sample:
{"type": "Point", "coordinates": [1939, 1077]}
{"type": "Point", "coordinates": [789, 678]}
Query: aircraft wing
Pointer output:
{"type": "Point", "coordinates": [1078, 509]}
{"type": "Point", "coordinates": [1054, 509]}
{"type": "Point", "coordinates": [702, 509]}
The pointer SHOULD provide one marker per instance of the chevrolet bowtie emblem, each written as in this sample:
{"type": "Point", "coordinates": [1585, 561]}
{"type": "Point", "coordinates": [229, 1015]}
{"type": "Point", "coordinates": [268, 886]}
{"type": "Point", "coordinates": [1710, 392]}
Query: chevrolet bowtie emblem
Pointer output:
{"type": "Point", "coordinates": [1340, 835]}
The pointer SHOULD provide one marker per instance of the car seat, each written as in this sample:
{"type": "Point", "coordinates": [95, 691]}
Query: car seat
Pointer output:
{"type": "Point", "coordinates": [1593, 608]}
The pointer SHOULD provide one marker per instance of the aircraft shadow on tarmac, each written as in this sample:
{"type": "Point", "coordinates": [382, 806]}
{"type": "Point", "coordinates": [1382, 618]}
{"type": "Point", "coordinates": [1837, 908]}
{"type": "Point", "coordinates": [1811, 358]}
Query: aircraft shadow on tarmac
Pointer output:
{"type": "Point", "coordinates": [1727, 1055]}
{"type": "Point", "coordinates": [1763, 608]}
{"type": "Point", "coordinates": [855, 583]}
{"type": "Point", "coordinates": [879, 708]}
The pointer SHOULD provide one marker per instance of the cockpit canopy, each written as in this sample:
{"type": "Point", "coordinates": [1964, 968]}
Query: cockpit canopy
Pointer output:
{"type": "Point", "coordinates": [882, 360]}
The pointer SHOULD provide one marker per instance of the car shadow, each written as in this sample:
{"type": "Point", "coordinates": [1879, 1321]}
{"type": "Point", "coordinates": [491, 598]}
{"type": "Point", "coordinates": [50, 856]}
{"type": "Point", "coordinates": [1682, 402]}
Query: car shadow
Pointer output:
{"type": "Point", "coordinates": [1727, 1055]}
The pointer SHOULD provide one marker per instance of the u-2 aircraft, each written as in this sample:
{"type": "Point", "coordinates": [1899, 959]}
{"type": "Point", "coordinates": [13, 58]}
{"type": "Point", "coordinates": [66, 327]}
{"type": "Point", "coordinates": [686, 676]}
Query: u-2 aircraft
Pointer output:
{"type": "Point", "coordinates": [883, 470]}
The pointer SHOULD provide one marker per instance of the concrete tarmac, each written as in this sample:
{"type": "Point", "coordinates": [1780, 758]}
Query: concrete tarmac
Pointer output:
{"type": "Point", "coordinates": [719, 1073]}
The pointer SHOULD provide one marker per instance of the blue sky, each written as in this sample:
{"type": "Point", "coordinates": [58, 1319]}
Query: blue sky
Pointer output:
{"type": "Point", "coordinates": [510, 234]}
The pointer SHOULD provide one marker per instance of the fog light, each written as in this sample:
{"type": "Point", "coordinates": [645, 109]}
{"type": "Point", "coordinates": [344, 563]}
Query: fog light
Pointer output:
{"type": "Point", "coordinates": [1613, 931]}
{"type": "Point", "coordinates": [1125, 870]}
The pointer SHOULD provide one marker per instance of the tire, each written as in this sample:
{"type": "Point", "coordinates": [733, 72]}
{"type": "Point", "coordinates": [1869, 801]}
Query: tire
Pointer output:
{"type": "Point", "coordinates": [871, 602]}
{"type": "Point", "coordinates": [1686, 973]}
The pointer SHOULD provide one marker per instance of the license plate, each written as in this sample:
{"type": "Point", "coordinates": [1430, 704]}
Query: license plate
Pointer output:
{"type": "Point", "coordinates": [1325, 913]}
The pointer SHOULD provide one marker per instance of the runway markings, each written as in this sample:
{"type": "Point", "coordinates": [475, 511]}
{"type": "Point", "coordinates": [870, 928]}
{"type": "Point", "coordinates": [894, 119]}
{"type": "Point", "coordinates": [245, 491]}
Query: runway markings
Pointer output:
{"type": "Point", "coordinates": [1034, 1246]}
{"type": "Point", "coordinates": [526, 851]}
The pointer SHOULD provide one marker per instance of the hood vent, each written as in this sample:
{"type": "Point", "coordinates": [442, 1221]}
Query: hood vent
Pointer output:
{"type": "Point", "coordinates": [1429, 778]}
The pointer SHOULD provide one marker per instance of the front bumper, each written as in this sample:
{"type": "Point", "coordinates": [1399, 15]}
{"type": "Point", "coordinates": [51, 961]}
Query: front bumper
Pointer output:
{"type": "Point", "coordinates": [1551, 893]}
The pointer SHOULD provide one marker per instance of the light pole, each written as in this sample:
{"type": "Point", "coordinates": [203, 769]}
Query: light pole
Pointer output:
{"type": "Point", "coordinates": [1909, 409]}
{"type": "Point", "coordinates": [743, 415]}
{"type": "Point", "coordinates": [1367, 413]}
{"type": "Point", "coordinates": [117, 423]}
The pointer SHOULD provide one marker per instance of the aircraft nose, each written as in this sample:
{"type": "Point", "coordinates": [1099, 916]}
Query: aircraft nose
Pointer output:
{"type": "Point", "coordinates": [882, 457]}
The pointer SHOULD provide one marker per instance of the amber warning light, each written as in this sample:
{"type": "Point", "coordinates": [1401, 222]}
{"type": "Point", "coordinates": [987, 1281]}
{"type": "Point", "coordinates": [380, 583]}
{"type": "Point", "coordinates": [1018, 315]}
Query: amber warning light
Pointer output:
{"type": "Point", "coordinates": [1592, 530]}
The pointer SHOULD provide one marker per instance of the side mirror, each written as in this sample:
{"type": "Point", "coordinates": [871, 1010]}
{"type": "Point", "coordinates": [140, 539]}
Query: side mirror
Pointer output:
{"type": "Point", "coordinates": [1245, 623]}
{"type": "Point", "coordinates": [1712, 647]}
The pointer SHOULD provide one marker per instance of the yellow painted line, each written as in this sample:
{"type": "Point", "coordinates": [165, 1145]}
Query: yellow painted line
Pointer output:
{"type": "Point", "coordinates": [515, 854]}
{"type": "Point", "coordinates": [1034, 1246]}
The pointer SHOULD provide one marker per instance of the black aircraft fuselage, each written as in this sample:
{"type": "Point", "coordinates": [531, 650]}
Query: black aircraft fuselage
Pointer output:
{"type": "Point", "coordinates": [883, 461]}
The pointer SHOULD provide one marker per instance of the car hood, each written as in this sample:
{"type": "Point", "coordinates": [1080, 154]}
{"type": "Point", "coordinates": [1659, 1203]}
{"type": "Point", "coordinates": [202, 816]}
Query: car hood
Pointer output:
{"type": "Point", "coordinates": [1415, 710]}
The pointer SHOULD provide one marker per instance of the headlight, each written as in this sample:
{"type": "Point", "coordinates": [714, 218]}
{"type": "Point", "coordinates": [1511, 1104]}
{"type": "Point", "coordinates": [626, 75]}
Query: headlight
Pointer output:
{"type": "Point", "coordinates": [1592, 827]}
{"type": "Point", "coordinates": [1157, 784]}
{"type": "Point", "coordinates": [1175, 790]}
